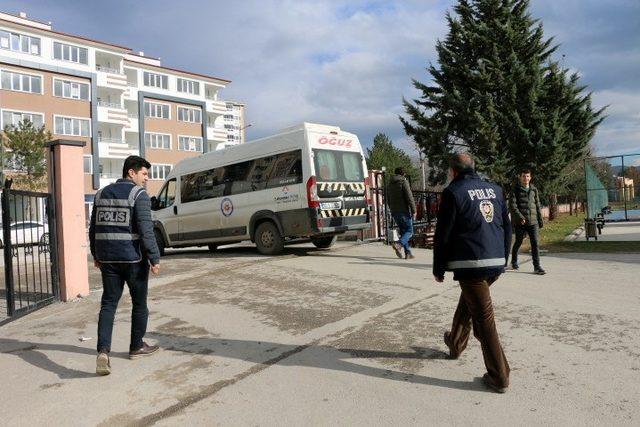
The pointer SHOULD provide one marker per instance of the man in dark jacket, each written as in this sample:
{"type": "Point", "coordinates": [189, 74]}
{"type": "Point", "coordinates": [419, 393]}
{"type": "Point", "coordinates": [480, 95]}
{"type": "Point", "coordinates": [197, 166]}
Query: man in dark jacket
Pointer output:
{"type": "Point", "coordinates": [123, 246]}
{"type": "Point", "coordinates": [527, 218]}
{"type": "Point", "coordinates": [472, 239]}
{"type": "Point", "coordinates": [403, 210]}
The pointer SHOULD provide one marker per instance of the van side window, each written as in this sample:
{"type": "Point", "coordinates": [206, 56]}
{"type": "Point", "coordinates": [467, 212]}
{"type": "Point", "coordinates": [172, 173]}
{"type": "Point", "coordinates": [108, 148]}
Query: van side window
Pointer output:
{"type": "Point", "coordinates": [237, 178]}
{"type": "Point", "coordinates": [260, 172]}
{"type": "Point", "coordinates": [202, 185]}
{"type": "Point", "coordinates": [287, 170]}
{"type": "Point", "coordinates": [167, 195]}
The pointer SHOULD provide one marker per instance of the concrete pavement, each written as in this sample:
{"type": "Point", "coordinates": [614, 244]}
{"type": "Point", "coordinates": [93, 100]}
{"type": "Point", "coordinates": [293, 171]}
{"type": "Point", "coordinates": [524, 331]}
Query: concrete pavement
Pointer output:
{"type": "Point", "coordinates": [348, 336]}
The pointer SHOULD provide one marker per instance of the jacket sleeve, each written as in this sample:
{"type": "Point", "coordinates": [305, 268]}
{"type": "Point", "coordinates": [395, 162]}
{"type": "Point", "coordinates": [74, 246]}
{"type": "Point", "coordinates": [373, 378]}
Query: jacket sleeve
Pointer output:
{"type": "Point", "coordinates": [92, 232]}
{"type": "Point", "coordinates": [513, 206]}
{"type": "Point", "coordinates": [408, 195]}
{"type": "Point", "coordinates": [444, 226]}
{"type": "Point", "coordinates": [142, 209]}
{"type": "Point", "coordinates": [507, 232]}
{"type": "Point", "coordinates": [538, 211]}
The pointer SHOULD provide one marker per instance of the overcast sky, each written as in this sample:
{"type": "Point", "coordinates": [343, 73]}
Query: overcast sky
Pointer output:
{"type": "Point", "coordinates": [349, 63]}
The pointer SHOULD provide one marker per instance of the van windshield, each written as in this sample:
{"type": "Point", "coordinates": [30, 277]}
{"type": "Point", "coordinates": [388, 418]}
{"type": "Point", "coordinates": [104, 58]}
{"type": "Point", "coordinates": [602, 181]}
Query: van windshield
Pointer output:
{"type": "Point", "coordinates": [338, 166]}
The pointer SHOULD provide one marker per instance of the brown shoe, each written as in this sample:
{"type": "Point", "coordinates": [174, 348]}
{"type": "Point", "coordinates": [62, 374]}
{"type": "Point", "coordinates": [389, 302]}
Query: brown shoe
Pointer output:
{"type": "Point", "coordinates": [145, 350]}
{"type": "Point", "coordinates": [447, 340]}
{"type": "Point", "coordinates": [409, 256]}
{"type": "Point", "coordinates": [398, 249]}
{"type": "Point", "coordinates": [487, 381]}
{"type": "Point", "coordinates": [103, 365]}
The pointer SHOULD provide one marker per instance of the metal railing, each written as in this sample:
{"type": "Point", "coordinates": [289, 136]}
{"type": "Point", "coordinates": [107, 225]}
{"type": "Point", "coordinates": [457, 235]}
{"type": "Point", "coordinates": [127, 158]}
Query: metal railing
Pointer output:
{"type": "Point", "coordinates": [110, 104]}
{"type": "Point", "coordinates": [106, 69]}
{"type": "Point", "coordinates": [111, 140]}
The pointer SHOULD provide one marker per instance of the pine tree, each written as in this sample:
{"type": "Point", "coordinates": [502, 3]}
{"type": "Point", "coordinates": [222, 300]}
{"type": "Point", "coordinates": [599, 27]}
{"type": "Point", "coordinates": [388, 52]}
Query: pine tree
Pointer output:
{"type": "Point", "coordinates": [498, 94]}
{"type": "Point", "coordinates": [384, 153]}
{"type": "Point", "coordinates": [25, 154]}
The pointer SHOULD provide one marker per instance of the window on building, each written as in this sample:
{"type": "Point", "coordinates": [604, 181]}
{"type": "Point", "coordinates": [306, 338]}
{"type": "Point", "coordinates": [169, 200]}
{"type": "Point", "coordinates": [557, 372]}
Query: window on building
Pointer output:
{"type": "Point", "coordinates": [193, 115]}
{"type": "Point", "coordinates": [71, 89]}
{"type": "Point", "coordinates": [20, 82]}
{"type": "Point", "coordinates": [157, 140]}
{"type": "Point", "coordinates": [155, 80]}
{"type": "Point", "coordinates": [88, 163]}
{"type": "Point", "coordinates": [71, 126]}
{"type": "Point", "coordinates": [67, 52]}
{"type": "Point", "coordinates": [159, 172]}
{"type": "Point", "coordinates": [189, 143]}
{"type": "Point", "coordinates": [157, 111]}
{"type": "Point", "coordinates": [13, 118]}
{"type": "Point", "coordinates": [19, 42]}
{"type": "Point", "coordinates": [189, 86]}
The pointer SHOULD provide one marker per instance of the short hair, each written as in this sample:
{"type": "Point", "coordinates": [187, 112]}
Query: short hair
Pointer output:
{"type": "Point", "coordinates": [399, 171]}
{"type": "Point", "coordinates": [462, 162]}
{"type": "Point", "coordinates": [525, 170]}
{"type": "Point", "coordinates": [136, 163]}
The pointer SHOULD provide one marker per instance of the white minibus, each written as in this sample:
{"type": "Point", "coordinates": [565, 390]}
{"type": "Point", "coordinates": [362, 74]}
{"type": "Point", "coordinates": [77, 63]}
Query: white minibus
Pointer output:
{"type": "Point", "coordinates": [308, 181]}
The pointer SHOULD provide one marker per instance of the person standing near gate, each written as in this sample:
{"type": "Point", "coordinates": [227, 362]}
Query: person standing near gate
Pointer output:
{"type": "Point", "coordinates": [403, 209]}
{"type": "Point", "coordinates": [472, 239]}
{"type": "Point", "coordinates": [527, 218]}
{"type": "Point", "coordinates": [124, 248]}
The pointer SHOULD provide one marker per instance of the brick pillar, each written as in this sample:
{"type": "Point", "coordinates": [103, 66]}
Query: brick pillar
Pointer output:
{"type": "Point", "coordinates": [66, 183]}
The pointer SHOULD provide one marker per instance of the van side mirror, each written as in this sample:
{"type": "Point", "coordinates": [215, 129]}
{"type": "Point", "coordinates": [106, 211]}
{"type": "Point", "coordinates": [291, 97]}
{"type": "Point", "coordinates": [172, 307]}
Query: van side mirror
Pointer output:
{"type": "Point", "coordinates": [155, 205]}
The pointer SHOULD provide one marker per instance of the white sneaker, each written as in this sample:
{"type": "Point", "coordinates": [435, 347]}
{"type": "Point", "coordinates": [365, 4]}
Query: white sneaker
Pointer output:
{"type": "Point", "coordinates": [103, 366]}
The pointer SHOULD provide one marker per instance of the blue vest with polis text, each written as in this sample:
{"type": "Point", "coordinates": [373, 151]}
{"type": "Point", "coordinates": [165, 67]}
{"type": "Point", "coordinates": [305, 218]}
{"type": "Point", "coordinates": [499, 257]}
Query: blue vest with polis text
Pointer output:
{"type": "Point", "coordinates": [116, 234]}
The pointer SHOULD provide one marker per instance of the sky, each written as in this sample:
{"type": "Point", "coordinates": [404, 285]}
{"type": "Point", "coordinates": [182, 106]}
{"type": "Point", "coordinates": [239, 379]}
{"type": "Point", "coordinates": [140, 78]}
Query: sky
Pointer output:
{"type": "Point", "coordinates": [350, 63]}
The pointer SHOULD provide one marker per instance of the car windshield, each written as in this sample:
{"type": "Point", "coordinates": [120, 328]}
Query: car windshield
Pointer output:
{"type": "Point", "coordinates": [338, 166]}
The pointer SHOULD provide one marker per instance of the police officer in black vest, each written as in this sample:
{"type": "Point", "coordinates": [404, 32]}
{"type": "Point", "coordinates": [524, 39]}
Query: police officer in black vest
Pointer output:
{"type": "Point", "coordinates": [472, 239]}
{"type": "Point", "coordinates": [124, 249]}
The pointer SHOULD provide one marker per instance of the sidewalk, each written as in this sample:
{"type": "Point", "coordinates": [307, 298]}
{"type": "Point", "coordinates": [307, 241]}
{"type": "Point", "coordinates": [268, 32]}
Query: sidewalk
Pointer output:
{"type": "Point", "coordinates": [351, 336]}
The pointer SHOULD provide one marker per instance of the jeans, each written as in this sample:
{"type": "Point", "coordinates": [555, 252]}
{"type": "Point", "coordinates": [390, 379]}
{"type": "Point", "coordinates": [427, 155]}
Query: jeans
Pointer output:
{"type": "Point", "coordinates": [475, 309]}
{"type": "Point", "coordinates": [405, 229]}
{"type": "Point", "coordinates": [113, 278]}
{"type": "Point", "coordinates": [532, 231]}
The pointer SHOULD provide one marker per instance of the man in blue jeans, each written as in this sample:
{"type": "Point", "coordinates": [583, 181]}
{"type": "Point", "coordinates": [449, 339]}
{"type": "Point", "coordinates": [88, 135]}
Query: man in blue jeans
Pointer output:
{"type": "Point", "coordinates": [403, 209]}
{"type": "Point", "coordinates": [124, 248]}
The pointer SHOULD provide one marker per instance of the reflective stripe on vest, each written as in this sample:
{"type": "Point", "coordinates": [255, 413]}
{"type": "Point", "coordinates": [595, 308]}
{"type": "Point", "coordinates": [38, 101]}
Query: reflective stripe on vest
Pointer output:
{"type": "Point", "coordinates": [476, 263]}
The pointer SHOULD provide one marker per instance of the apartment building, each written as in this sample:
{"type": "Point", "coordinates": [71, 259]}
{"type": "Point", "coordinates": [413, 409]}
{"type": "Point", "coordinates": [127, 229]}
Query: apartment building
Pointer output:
{"type": "Point", "coordinates": [234, 123]}
{"type": "Point", "coordinates": [119, 102]}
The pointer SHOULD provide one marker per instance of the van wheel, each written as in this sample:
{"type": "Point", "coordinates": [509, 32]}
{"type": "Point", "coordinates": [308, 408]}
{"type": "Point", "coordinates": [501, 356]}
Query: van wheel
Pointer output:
{"type": "Point", "coordinates": [159, 241]}
{"type": "Point", "coordinates": [324, 242]}
{"type": "Point", "coordinates": [268, 239]}
{"type": "Point", "coordinates": [212, 248]}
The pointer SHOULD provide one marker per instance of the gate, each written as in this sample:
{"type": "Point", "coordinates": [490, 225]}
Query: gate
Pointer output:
{"type": "Point", "coordinates": [30, 258]}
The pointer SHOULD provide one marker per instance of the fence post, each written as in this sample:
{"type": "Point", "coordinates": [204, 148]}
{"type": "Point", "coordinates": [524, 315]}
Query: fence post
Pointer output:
{"type": "Point", "coordinates": [66, 184]}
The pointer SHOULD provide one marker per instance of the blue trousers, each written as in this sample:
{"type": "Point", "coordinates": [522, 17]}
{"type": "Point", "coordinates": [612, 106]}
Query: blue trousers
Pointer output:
{"type": "Point", "coordinates": [405, 229]}
{"type": "Point", "coordinates": [136, 275]}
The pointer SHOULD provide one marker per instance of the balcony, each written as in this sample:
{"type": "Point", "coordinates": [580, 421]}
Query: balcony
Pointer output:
{"type": "Point", "coordinates": [131, 92]}
{"type": "Point", "coordinates": [113, 148]}
{"type": "Point", "coordinates": [133, 125]}
{"type": "Point", "coordinates": [216, 107]}
{"type": "Point", "coordinates": [110, 77]}
{"type": "Point", "coordinates": [111, 112]}
{"type": "Point", "coordinates": [216, 134]}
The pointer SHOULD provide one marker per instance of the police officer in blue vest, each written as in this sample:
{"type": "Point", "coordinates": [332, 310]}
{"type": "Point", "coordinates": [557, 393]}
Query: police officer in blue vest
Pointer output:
{"type": "Point", "coordinates": [472, 239]}
{"type": "Point", "coordinates": [124, 248]}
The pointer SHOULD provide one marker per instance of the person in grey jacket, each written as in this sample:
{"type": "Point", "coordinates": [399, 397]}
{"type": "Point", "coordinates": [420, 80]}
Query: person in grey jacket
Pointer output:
{"type": "Point", "coordinates": [526, 217]}
{"type": "Point", "coordinates": [403, 209]}
{"type": "Point", "coordinates": [124, 248]}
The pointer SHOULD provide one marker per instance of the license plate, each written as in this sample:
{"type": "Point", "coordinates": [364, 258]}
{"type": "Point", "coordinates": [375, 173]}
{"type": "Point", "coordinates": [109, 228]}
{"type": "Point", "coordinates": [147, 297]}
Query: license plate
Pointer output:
{"type": "Point", "coordinates": [330, 205]}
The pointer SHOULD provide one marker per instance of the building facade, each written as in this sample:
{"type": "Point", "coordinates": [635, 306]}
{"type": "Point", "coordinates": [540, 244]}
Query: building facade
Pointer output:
{"type": "Point", "coordinates": [117, 101]}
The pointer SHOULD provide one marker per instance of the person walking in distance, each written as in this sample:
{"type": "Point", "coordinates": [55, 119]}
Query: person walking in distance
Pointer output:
{"type": "Point", "coordinates": [403, 209]}
{"type": "Point", "coordinates": [527, 219]}
{"type": "Point", "coordinates": [472, 239]}
{"type": "Point", "coordinates": [124, 248]}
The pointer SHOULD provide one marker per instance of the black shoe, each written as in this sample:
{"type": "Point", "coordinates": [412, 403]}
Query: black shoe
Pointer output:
{"type": "Point", "coordinates": [447, 341]}
{"type": "Point", "coordinates": [487, 381]}
{"type": "Point", "coordinates": [515, 267]}
{"type": "Point", "coordinates": [145, 350]}
{"type": "Point", "coordinates": [539, 270]}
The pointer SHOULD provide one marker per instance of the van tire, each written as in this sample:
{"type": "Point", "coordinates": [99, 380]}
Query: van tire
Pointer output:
{"type": "Point", "coordinates": [268, 239]}
{"type": "Point", "coordinates": [212, 247]}
{"type": "Point", "coordinates": [159, 241]}
{"type": "Point", "coordinates": [324, 242]}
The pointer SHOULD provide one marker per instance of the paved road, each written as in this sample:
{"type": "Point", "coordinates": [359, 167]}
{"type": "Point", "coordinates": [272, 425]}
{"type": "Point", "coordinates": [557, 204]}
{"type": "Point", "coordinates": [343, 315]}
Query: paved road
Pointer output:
{"type": "Point", "coordinates": [349, 336]}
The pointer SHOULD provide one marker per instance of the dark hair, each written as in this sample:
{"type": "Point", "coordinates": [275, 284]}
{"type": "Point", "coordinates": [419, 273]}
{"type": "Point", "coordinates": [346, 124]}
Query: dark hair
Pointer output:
{"type": "Point", "coordinates": [525, 170]}
{"type": "Point", "coordinates": [136, 163]}
{"type": "Point", "coordinates": [462, 162]}
{"type": "Point", "coordinates": [399, 171]}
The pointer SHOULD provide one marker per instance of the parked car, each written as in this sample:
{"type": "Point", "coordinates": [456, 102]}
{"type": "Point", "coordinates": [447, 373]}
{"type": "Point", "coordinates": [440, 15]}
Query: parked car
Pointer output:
{"type": "Point", "coordinates": [25, 233]}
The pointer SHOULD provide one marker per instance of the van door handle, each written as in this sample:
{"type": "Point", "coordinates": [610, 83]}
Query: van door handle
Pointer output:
{"type": "Point", "coordinates": [175, 210]}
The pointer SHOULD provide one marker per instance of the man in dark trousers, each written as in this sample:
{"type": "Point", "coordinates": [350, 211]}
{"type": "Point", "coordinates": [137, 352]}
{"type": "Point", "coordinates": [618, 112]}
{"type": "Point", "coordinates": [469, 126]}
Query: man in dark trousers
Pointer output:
{"type": "Point", "coordinates": [124, 248]}
{"type": "Point", "coordinates": [472, 239]}
{"type": "Point", "coordinates": [527, 218]}
{"type": "Point", "coordinates": [403, 210]}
